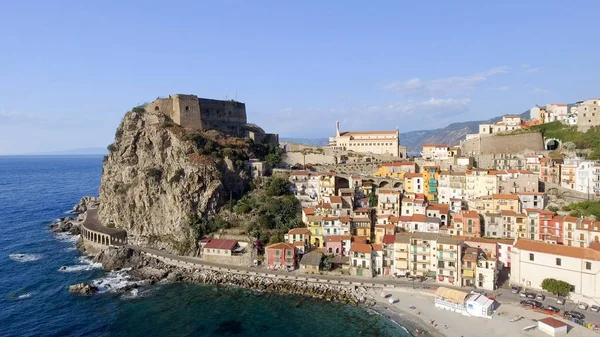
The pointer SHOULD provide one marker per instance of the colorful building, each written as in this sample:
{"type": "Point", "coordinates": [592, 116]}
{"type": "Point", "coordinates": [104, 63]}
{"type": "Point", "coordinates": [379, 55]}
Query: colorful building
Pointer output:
{"type": "Point", "coordinates": [396, 169]}
{"type": "Point", "coordinates": [281, 255]}
{"type": "Point", "coordinates": [431, 176]}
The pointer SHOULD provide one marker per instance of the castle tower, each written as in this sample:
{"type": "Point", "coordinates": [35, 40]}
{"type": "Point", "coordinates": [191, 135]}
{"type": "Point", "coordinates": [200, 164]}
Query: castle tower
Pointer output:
{"type": "Point", "coordinates": [186, 111]}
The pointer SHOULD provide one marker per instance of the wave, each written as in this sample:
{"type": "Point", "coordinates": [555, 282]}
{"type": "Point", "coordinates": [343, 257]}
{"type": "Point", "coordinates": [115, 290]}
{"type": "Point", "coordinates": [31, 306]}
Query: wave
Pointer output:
{"type": "Point", "coordinates": [25, 257]}
{"type": "Point", "coordinates": [66, 237]}
{"type": "Point", "coordinates": [70, 249]}
{"type": "Point", "coordinates": [25, 296]}
{"type": "Point", "coordinates": [114, 281]}
{"type": "Point", "coordinates": [86, 263]}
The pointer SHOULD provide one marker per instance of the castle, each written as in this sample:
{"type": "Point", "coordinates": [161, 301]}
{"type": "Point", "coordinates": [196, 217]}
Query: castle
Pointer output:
{"type": "Point", "coordinates": [229, 116]}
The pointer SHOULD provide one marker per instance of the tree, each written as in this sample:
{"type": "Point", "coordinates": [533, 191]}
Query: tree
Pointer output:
{"type": "Point", "coordinates": [557, 287]}
{"type": "Point", "coordinates": [277, 187]}
{"type": "Point", "coordinates": [372, 200]}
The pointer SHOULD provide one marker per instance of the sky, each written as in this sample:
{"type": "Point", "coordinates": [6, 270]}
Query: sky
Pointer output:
{"type": "Point", "coordinates": [70, 70]}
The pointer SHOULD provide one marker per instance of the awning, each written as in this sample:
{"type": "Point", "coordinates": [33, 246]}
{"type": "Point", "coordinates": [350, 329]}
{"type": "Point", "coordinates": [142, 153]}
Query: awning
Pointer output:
{"type": "Point", "coordinates": [451, 295]}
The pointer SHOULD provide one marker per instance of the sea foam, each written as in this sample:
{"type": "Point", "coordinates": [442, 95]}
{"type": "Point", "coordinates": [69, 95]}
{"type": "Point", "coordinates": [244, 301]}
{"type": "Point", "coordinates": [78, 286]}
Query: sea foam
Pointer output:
{"type": "Point", "coordinates": [25, 257]}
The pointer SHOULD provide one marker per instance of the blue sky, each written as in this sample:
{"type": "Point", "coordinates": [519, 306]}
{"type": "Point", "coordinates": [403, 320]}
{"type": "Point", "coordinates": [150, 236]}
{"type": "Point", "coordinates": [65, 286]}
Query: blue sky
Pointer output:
{"type": "Point", "coordinates": [69, 70]}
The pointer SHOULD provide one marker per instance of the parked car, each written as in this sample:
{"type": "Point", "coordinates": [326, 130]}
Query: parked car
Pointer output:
{"type": "Point", "coordinates": [531, 295]}
{"type": "Point", "coordinates": [478, 291]}
{"type": "Point", "coordinates": [540, 297]}
{"type": "Point", "coordinates": [560, 300]}
{"type": "Point", "coordinates": [515, 289]}
{"type": "Point", "coordinates": [532, 303]}
{"type": "Point", "coordinates": [595, 308]}
{"type": "Point", "coordinates": [574, 314]}
{"type": "Point", "coordinates": [523, 294]}
{"type": "Point", "coordinates": [582, 305]}
{"type": "Point", "coordinates": [552, 308]}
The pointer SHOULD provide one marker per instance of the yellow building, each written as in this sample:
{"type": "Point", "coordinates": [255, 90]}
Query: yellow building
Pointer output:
{"type": "Point", "coordinates": [413, 183]}
{"type": "Point", "coordinates": [505, 202]}
{"type": "Point", "coordinates": [431, 175]}
{"type": "Point", "coordinates": [315, 227]}
{"type": "Point", "coordinates": [396, 169]}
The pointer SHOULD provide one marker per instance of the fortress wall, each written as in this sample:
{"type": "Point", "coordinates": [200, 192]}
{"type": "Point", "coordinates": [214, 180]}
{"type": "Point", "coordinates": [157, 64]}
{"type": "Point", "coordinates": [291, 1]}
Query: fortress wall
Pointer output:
{"type": "Point", "coordinates": [311, 158]}
{"type": "Point", "coordinates": [517, 143]}
{"type": "Point", "coordinates": [164, 105]}
{"type": "Point", "coordinates": [225, 116]}
{"type": "Point", "coordinates": [187, 110]}
{"type": "Point", "coordinates": [293, 147]}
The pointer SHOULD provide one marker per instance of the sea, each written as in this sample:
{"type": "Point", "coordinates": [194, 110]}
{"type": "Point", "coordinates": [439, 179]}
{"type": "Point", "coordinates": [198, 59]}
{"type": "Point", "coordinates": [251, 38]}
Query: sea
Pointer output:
{"type": "Point", "coordinates": [37, 266]}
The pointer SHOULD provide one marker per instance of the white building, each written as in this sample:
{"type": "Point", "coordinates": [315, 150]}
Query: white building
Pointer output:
{"type": "Point", "coordinates": [572, 116]}
{"type": "Point", "coordinates": [451, 300]}
{"type": "Point", "coordinates": [534, 261]}
{"type": "Point", "coordinates": [556, 112]}
{"type": "Point", "coordinates": [435, 152]}
{"type": "Point", "coordinates": [535, 113]}
{"type": "Point", "coordinates": [584, 177]}
{"type": "Point", "coordinates": [480, 306]}
{"type": "Point", "coordinates": [377, 142]}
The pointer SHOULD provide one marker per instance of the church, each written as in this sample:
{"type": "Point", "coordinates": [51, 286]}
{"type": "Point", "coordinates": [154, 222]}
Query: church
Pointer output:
{"type": "Point", "coordinates": [375, 142]}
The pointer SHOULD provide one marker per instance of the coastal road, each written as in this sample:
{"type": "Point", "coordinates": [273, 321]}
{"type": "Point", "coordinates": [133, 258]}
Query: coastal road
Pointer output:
{"type": "Point", "coordinates": [503, 295]}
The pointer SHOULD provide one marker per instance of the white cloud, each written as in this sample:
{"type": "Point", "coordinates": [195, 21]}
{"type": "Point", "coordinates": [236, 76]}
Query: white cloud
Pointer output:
{"type": "Point", "coordinates": [528, 69]}
{"type": "Point", "coordinates": [540, 91]}
{"type": "Point", "coordinates": [443, 86]}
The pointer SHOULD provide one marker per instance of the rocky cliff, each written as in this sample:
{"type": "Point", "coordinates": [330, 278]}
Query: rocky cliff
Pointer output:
{"type": "Point", "coordinates": [156, 179]}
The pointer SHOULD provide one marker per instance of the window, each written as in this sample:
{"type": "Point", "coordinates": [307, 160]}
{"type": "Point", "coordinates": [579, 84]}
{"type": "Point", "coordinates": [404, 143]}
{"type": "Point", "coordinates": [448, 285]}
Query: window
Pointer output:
{"type": "Point", "coordinates": [588, 265]}
{"type": "Point", "coordinates": [424, 257]}
{"type": "Point", "coordinates": [531, 257]}
{"type": "Point", "coordinates": [424, 266]}
{"type": "Point", "coordinates": [558, 261]}
{"type": "Point", "coordinates": [187, 108]}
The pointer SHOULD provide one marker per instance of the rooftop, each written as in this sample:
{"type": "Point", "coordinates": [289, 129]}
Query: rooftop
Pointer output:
{"type": "Point", "coordinates": [221, 244]}
{"type": "Point", "coordinates": [361, 248]}
{"type": "Point", "coordinates": [549, 248]}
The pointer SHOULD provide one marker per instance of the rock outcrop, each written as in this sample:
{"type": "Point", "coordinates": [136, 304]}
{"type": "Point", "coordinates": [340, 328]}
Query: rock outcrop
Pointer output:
{"type": "Point", "coordinates": [86, 203]}
{"type": "Point", "coordinates": [83, 289]}
{"type": "Point", "coordinates": [155, 180]}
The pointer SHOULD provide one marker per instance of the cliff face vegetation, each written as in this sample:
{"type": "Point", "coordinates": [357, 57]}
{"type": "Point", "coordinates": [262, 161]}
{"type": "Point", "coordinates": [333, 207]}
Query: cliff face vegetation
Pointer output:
{"type": "Point", "coordinates": [158, 180]}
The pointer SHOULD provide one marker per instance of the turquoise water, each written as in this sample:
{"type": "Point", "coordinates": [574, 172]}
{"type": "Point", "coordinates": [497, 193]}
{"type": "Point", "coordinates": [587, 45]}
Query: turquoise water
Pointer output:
{"type": "Point", "coordinates": [34, 300]}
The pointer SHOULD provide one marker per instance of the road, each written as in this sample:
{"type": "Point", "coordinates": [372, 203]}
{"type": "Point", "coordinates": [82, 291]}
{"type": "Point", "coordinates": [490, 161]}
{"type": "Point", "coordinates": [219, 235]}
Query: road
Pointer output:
{"type": "Point", "coordinates": [502, 295]}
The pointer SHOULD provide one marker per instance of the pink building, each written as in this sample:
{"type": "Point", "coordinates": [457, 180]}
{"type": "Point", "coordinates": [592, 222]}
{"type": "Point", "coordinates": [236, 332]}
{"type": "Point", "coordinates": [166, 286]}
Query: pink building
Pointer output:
{"type": "Point", "coordinates": [280, 255]}
{"type": "Point", "coordinates": [467, 223]}
{"type": "Point", "coordinates": [333, 244]}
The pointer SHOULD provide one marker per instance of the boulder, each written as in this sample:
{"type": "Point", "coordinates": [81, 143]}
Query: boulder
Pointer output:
{"type": "Point", "coordinates": [86, 203]}
{"type": "Point", "coordinates": [83, 288]}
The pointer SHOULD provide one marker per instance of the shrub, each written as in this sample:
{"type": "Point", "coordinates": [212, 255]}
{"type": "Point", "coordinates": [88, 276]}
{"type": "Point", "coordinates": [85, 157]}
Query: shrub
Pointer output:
{"type": "Point", "coordinates": [154, 173]}
{"type": "Point", "coordinates": [566, 208]}
{"type": "Point", "coordinates": [118, 133]}
{"type": "Point", "coordinates": [177, 176]}
{"type": "Point", "coordinates": [557, 287]}
{"type": "Point", "coordinates": [277, 187]}
{"type": "Point", "coordinates": [140, 108]}
{"type": "Point", "coordinates": [111, 147]}
{"type": "Point", "coordinates": [553, 208]}
{"type": "Point", "coordinates": [167, 123]}
{"type": "Point", "coordinates": [227, 152]}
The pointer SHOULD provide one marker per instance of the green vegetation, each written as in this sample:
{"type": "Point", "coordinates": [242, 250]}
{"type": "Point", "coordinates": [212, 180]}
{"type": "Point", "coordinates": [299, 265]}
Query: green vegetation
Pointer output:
{"type": "Point", "coordinates": [557, 287]}
{"type": "Point", "coordinates": [140, 108]}
{"type": "Point", "coordinates": [204, 226]}
{"type": "Point", "coordinates": [111, 147]}
{"type": "Point", "coordinates": [553, 208]}
{"type": "Point", "coordinates": [177, 176]}
{"type": "Point", "coordinates": [570, 136]}
{"type": "Point", "coordinates": [275, 211]}
{"type": "Point", "coordinates": [584, 208]}
{"type": "Point", "coordinates": [372, 200]}
{"type": "Point", "coordinates": [154, 173]}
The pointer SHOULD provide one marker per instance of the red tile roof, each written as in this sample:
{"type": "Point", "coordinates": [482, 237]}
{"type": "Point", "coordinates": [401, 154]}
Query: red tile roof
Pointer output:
{"type": "Point", "coordinates": [549, 248]}
{"type": "Point", "coordinates": [308, 211]}
{"type": "Point", "coordinates": [281, 245]}
{"type": "Point", "coordinates": [302, 230]}
{"type": "Point", "coordinates": [552, 322]}
{"type": "Point", "coordinates": [334, 238]}
{"type": "Point", "coordinates": [413, 175]}
{"type": "Point", "coordinates": [388, 239]}
{"type": "Point", "coordinates": [506, 196]}
{"type": "Point", "coordinates": [361, 248]}
{"type": "Point", "coordinates": [335, 199]}
{"type": "Point", "coordinates": [400, 163]}
{"type": "Point", "coordinates": [418, 218]}
{"type": "Point", "coordinates": [221, 244]}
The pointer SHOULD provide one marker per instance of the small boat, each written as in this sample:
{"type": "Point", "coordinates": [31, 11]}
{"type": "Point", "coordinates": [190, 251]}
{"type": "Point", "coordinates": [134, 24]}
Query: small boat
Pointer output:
{"type": "Point", "coordinates": [531, 327]}
{"type": "Point", "coordinates": [516, 318]}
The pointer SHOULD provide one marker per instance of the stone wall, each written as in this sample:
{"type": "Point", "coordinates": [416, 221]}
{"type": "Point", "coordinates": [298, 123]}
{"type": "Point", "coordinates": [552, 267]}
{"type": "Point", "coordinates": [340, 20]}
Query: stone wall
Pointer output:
{"type": "Point", "coordinates": [503, 144]}
{"type": "Point", "coordinates": [244, 260]}
{"type": "Point", "coordinates": [311, 158]}
{"type": "Point", "coordinates": [186, 109]}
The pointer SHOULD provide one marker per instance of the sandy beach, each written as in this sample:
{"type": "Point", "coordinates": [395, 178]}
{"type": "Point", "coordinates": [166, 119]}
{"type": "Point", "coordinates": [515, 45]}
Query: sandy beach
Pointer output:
{"type": "Point", "coordinates": [437, 322]}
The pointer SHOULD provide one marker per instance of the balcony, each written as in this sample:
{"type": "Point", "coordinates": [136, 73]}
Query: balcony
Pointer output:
{"type": "Point", "coordinates": [447, 267]}
{"type": "Point", "coordinates": [421, 252]}
{"type": "Point", "coordinates": [418, 267]}
{"type": "Point", "coordinates": [432, 182]}
{"type": "Point", "coordinates": [446, 257]}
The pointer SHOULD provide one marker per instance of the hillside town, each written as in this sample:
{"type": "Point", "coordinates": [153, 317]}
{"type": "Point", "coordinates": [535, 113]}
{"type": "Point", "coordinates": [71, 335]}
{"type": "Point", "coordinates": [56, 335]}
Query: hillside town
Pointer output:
{"type": "Point", "coordinates": [475, 220]}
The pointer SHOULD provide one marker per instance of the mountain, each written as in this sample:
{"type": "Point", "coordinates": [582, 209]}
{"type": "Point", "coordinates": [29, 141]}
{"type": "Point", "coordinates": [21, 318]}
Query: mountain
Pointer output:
{"type": "Point", "coordinates": [306, 141]}
{"type": "Point", "coordinates": [450, 135]}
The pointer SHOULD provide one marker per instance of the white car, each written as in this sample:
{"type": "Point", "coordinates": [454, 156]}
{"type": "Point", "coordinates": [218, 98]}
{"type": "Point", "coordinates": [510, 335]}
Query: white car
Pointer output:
{"type": "Point", "coordinates": [582, 305]}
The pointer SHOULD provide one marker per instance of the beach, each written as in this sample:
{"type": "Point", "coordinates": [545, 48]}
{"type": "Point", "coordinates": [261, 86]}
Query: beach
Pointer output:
{"type": "Point", "coordinates": [438, 322]}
